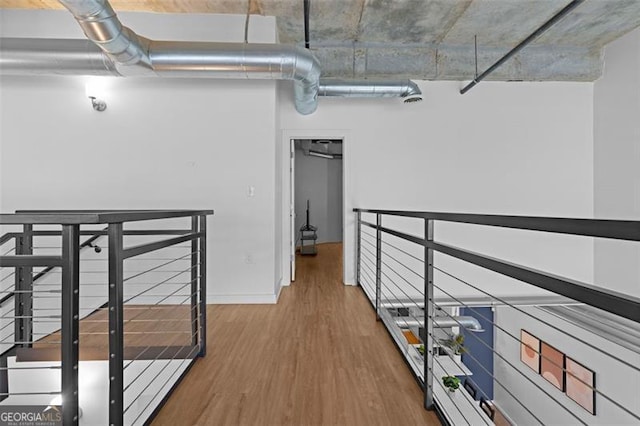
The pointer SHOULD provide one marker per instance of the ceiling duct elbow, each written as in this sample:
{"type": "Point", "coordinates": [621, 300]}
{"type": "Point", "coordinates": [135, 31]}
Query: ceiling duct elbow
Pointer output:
{"type": "Point", "coordinates": [412, 93]}
{"type": "Point", "coordinates": [101, 25]}
{"type": "Point", "coordinates": [307, 81]}
{"type": "Point", "coordinates": [406, 89]}
{"type": "Point", "coordinates": [137, 55]}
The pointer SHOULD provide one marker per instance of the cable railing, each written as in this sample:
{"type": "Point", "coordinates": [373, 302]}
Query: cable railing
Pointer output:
{"type": "Point", "coordinates": [98, 325]}
{"type": "Point", "coordinates": [495, 337]}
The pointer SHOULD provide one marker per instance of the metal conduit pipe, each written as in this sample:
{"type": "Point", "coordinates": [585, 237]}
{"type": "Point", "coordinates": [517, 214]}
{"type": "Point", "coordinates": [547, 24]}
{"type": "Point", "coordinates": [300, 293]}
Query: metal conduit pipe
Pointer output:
{"type": "Point", "coordinates": [406, 89]}
{"type": "Point", "coordinates": [307, 6]}
{"type": "Point", "coordinates": [469, 323]}
{"type": "Point", "coordinates": [537, 33]}
{"type": "Point", "coordinates": [137, 55]}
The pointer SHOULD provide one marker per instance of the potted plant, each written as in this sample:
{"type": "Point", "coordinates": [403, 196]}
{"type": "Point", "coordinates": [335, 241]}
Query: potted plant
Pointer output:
{"type": "Point", "coordinates": [451, 382]}
{"type": "Point", "coordinates": [455, 343]}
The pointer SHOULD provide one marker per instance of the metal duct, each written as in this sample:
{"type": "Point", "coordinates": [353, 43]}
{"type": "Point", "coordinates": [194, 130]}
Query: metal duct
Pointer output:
{"type": "Point", "coordinates": [406, 89]}
{"type": "Point", "coordinates": [469, 323]}
{"type": "Point", "coordinates": [33, 56]}
{"type": "Point", "coordinates": [100, 24]}
{"type": "Point", "coordinates": [126, 53]}
{"type": "Point", "coordinates": [121, 52]}
{"type": "Point", "coordinates": [234, 60]}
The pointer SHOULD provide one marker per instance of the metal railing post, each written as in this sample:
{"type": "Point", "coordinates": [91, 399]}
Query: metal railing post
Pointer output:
{"type": "Point", "coordinates": [17, 300]}
{"type": "Point", "coordinates": [203, 286]}
{"type": "Point", "coordinates": [24, 288]}
{"type": "Point", "coordinates": [428, 317]}
{"type": "Point", "coordinates": [4, 378]}
{"type": "Point", "coordinates": [358, 237]}
{"type": "Point", "coordinates": [116, 332]}
{"type": "Point", "coordinates": [70, 322]}
{"type": "Point", "coordinates": [378, 263]}
{"type": "Point", "coordinates": [195, 327]}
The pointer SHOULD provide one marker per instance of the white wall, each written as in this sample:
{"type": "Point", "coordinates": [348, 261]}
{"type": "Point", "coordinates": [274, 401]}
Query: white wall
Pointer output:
{"type": "Point", "coordinates": [334, 200]}
{"type": "Point", "coordinates": [617, 160]}
{"type": "Point", "coordinates": [509, 148]}
{"type": "Point", "coordinates": [506, 148]}
{"type": "Point", "coordinates": [614, 379]}
{"type": "Point", "coordinates": [319, 180]}
{"type": "Point", "coordinates": [161, 144]}
{"type": "Point", "coordinates": [280, 210]}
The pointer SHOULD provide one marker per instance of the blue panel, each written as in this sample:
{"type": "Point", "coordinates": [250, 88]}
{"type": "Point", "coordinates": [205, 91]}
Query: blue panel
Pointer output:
{"type": "Point", "coordinates": [483, 354]}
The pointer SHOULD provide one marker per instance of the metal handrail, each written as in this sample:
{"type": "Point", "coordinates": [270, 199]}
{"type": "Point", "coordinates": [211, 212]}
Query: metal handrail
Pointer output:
{"type": "Point", "coordinates": [94, 234]}
{"type": "Point", "coordinates": [7, 237]}
{"type": "Point", "coordinates": [79, 217]}
{"type": "Point", "coordinates": [614, 229]}
{"type": "Point", "coordinates": [622, 305]}
{"type": "Point", "coordinates": [88, 243]}
{"type": "Point", "coordinates": [626, 306]}
{"type": "Point", "coordinates": [6, 297]}
{"type": "Point", "coordinates": [69, 260]}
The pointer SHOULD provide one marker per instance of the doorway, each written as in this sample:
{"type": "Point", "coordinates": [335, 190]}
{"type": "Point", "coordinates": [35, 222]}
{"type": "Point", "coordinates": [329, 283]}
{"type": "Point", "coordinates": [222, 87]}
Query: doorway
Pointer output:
{"type": "Point", "coordinates": [317, 197]}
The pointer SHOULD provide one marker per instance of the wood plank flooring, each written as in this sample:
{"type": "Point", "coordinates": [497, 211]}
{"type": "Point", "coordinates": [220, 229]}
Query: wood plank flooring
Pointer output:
{"type": "Point", "coordinates": [318, 357]}
{"type": "Point", "coordinates": [145, 326]}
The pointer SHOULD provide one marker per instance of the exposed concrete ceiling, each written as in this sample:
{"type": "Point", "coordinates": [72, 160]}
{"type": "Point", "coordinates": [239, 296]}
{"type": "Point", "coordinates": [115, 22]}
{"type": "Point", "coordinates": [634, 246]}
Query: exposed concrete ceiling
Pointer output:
{"type": "Point", "coordinates": [428, 39]}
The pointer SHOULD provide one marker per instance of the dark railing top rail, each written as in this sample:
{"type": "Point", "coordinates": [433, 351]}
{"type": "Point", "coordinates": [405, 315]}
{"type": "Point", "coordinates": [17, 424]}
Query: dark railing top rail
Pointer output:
{"type": "Point", "coordinates": [611, 301]}
{"type": "Point", "coordinates": [77, 217]}
{"type": "Point", "coordinates": [603, 228]}
{"type": "Point", "coordinates": [624, 305]}
{"type": "Point", "coordinates": [157, 245]}
{"type": "Point", "coordinates": [104, 232]}
{"type": "Point", "coordinates": [6, 297]}
{"type": "Point", "coordinates": [8, 236]}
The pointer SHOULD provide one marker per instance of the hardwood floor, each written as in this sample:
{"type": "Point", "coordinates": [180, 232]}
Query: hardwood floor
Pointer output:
{"type": "Point", "coordinates": [318, 357]}
{"type": "Point", "coordinates": [164, 328]}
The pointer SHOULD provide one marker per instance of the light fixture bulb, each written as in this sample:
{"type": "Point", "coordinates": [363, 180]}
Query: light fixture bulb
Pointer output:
{"type": "Point", "coordinates": [97, 89]}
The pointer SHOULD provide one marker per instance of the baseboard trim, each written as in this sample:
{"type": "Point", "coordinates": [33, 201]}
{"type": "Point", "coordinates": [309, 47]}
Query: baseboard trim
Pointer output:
{"type": "Point", "coordinates": [279, 290]}
{"type": "Point", "coordinates": [242, 299]}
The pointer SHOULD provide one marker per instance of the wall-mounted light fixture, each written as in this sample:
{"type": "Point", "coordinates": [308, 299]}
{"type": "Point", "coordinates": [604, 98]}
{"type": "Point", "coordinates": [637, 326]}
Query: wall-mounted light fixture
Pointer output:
{"type": "Point", "coordinates": [98, 104]}
{"type": "Point", "coordinates": [95, 89]}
